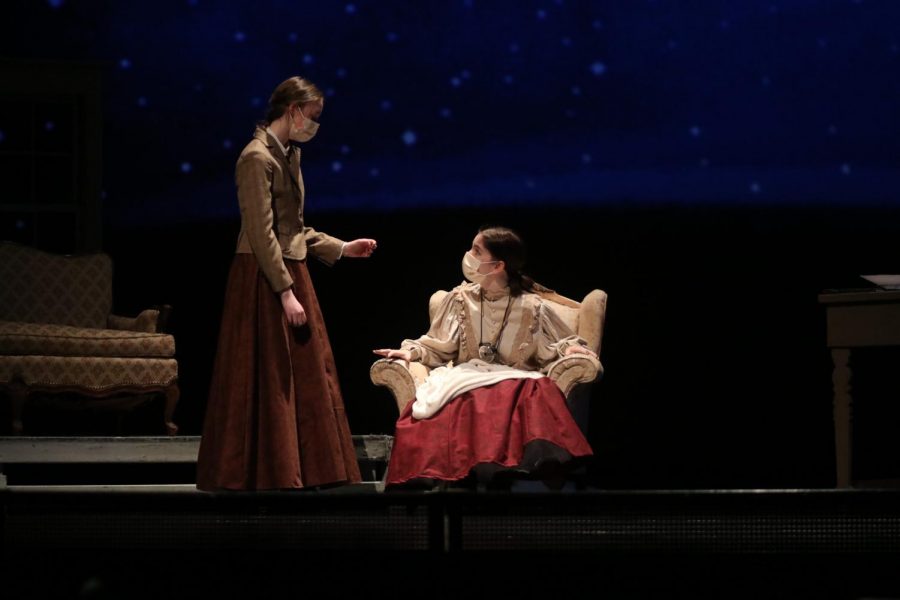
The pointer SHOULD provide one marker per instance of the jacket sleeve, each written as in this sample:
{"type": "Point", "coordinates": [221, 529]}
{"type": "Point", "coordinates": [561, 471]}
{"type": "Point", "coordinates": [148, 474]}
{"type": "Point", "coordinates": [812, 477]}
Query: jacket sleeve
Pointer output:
{"type": "Point", "coordinates": [253, 177]}
{"type": "Point", "coordinates": [322, 246]}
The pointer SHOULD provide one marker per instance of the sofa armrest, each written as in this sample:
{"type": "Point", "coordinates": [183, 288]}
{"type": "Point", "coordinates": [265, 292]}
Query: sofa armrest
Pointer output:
{"type": "Point", "coordinates": [146, 321]}
{"type": "Point", "coordinates": [573, 369]}
{"type": "Point", "coordinates": [399, 377]}
{"type": "Point", "coordinates": [152, 320]}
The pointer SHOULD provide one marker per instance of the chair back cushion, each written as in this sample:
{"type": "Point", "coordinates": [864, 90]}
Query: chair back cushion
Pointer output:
{"type": "Point", "coordinates": [39, 287]}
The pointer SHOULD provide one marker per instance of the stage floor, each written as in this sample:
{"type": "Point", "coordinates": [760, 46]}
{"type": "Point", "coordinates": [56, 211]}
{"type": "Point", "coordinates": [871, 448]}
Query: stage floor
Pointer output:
{"type": "Point", "coordinates": [152, 539]}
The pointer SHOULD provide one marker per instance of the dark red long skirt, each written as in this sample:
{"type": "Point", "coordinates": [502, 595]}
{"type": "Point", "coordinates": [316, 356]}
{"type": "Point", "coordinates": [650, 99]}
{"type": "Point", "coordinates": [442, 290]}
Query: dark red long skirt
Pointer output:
{"type": "Point", "coordinates": [275, 417]}
{"type": "Point", "coordinates": [492, 425]}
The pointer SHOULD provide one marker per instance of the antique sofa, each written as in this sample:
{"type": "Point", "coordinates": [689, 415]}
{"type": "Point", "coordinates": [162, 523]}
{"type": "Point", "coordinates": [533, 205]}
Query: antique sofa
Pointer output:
{"type": "Point", "coordinates": [57, 334]}
{"type": "Point", "coordinates": [586, 318]}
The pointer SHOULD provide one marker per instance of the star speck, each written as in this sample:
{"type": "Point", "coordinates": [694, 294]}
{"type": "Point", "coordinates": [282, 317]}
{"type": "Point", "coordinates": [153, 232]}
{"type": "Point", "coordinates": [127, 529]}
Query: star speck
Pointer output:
{"type": "Point", "coordinates": [350, 9]}
{"type": "Point", "coordinates": [704, 162]}
{"type": "Point", "coordinates": [2, 136]}
{"type": "Point", "coordinates": [345, 149]}
{"type": "Point", "coordinates": [308, 59]}
{"type": "Point", "coordinates": [49, 126]}
{"type": "Point", "coordinates": [598, 68]}
{"type": "Point", "coordinates": [124, 64]}
{"type": "Point", "coordinates": [514, 48]}
{"type": "Point", "coordinates": [694, 131]}
{"type": "Point", "coordinates": [142, 102]}
{"type": "Point", "coordinates": [576, 91]}
{"type": "Point", "coordinates": [341, 73]}
{"type": "Point", "coordinates": [391, 37]}
{"type": "Point", "coordinates": [755, 187]}
{"type": "Point", "coordinates": [445, 113]}
{"type": "Point", "coordinates": [374, 172]}
{"type": "Point", "coordinates": [20, 224]}
{"type": "Point", "coordinates": [598, 25]}
{"type": "Point", "coordinates": [239, 36]}
{"type": "Point", "coordinates": [386, 105]}
{"type": "Point", "coordinates": [508, 79]}
{"type": "Point", "coordinates": [186, 167]}
{"type": "Point", "coordinates": [455, 82]}
{"type": "Point", "coordinates": [293, 37]}
{"type": "Point", "coordinates": [567, 42]}
{"type": "Point", "coordinates": [586, 159]}
{"type": "Point", "coordinates": [336, 166]}
{"type": "Point", "coordinates": [541, 14]}
{"type": "Point", "coordinates": [832, 130]}
{"type": "Point", "coordinates": [409, 137]}
{"type": "Point", "coordinates": [255, 101]}
{"type": "Point", "coordinates": [227, 144]}
{"type": "Point", "coordinates": [55, 3]}
{"type": "Point", "coordinates": [845, 168]}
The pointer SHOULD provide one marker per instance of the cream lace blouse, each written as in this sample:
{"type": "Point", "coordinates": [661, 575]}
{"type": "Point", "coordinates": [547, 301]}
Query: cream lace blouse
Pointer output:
{"type": "Point", "coordinates": [532, 339]}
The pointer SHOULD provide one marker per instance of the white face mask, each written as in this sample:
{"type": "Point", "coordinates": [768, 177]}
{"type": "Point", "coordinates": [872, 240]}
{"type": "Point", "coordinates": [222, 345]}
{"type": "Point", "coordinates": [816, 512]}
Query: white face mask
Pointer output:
{"type": "Point", "coordinates": [471, 266]}
{"type": "Point", "coordinates": [305, 132]}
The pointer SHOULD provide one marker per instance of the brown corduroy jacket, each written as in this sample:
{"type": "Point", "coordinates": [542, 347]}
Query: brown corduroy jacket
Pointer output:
{"type": "Point", "coordinates": [270, 194]}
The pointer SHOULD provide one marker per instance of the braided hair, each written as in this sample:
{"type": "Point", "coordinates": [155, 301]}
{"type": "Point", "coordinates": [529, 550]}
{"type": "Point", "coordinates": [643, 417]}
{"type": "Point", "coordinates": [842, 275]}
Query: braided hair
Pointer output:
{"type": "Point", "coordinates": [506, 245]}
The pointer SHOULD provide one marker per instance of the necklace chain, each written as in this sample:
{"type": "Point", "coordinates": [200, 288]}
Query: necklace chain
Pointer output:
{"type": "Point", "coordinates": [492, 346]}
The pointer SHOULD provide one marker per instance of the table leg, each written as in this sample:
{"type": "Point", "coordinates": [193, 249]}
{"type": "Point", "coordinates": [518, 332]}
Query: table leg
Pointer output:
{"type": "Point", "coordinates": [843, 416]}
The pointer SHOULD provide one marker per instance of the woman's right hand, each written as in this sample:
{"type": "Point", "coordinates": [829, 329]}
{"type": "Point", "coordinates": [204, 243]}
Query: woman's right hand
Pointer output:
{"type": "Point", "coordinates": [293, 310]}
{"type": "Point", "coordinates": [401, 354]}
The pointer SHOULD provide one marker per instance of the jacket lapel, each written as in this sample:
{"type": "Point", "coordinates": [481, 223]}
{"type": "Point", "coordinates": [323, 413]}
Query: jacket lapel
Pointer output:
{"type": "Point", "coordinates": [292, 166]}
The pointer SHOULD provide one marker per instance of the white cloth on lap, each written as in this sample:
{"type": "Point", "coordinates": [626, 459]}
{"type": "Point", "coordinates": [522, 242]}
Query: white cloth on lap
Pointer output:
{"type": "Point", "coordinates": [445, 383]}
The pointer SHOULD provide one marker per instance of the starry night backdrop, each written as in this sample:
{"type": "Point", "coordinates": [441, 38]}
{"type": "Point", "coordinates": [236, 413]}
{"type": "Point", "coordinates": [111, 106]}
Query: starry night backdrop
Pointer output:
{"type": "Point", "coordinates": [711, 165]}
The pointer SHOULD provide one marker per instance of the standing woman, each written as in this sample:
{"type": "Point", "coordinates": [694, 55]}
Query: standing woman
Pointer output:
{"type": "Point", "coordinates": [275, 417]}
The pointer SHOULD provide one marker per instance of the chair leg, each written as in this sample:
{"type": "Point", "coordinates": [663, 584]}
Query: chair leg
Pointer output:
{"type": "Point", "coordinates": [18, 393]}
{"type": "Point", "coordinates": [172, 396]}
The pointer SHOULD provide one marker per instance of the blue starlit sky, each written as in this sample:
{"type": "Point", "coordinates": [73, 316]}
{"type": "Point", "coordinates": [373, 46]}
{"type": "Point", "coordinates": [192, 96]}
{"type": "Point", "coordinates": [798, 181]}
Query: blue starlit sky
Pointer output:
{"type": "Point", "coordinates": [491, 102]}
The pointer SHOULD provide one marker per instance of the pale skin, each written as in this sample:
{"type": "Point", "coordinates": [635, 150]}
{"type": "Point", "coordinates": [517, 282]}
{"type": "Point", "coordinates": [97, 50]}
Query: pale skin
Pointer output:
{"type": "Point", "coordinates": [359, 248]}
{"type": "Point", "coordinates": [495, 279]}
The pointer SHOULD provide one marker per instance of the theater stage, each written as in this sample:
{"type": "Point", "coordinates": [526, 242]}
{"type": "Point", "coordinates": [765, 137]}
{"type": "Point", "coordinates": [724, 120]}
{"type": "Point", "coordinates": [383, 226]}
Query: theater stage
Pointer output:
{"type": "Point", "coordinates": [146, 539]}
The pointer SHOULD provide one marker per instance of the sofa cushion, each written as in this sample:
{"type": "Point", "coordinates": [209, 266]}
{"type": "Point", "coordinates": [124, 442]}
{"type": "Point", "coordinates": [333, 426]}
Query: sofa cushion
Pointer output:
{"type": "Point", "coordinates": [28, 339]}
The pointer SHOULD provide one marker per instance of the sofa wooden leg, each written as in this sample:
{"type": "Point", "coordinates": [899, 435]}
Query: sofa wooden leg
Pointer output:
{"type": "Point", "coordinates": [18, 393]}
{"type": "Point", "coordinates": [172, 396]}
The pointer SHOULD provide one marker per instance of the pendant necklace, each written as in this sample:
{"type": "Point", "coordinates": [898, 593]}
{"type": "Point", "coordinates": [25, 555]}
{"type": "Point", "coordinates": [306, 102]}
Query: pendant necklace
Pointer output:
{"type": "Point", "coordinates": [488, 351]}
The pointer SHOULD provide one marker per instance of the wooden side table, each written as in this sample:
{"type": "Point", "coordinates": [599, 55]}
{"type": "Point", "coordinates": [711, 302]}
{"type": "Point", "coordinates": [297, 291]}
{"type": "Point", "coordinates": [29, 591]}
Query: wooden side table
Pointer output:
{"type": "Point", "coordinates": [855, 319]}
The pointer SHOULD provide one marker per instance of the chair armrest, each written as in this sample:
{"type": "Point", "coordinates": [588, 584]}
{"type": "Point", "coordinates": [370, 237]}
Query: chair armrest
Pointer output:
{"type": "Point", "coordinates": [399, 378]}
{"type": "Point", "coordinates": [573, 369]}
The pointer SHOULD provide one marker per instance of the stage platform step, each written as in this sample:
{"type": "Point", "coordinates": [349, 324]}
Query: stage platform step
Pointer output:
{"type": "Point", "coordinates": [132, 461]}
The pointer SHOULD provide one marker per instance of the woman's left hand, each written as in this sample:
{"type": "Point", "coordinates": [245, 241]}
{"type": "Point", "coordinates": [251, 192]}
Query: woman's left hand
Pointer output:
{"type": "Point", "coordinates": [580, 350]}
{"type": "Point", "coordinates": [361, 248]}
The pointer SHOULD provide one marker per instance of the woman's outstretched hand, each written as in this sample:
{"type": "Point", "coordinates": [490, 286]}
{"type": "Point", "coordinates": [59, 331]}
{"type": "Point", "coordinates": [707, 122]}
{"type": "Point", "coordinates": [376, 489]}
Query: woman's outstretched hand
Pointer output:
{"type": "Point", "coordinates": [361, 248]}
{"type": "Point", "coordinates": [580, 350]}
{"type": "Point", "coordinates": [293, 310]}
{"type": "Point", "coordinates": [401, 354]}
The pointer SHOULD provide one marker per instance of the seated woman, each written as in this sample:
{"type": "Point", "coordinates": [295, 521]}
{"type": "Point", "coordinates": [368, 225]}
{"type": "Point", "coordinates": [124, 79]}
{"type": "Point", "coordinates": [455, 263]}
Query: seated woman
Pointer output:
{"type": "Point", "coordinates": [486, 411]}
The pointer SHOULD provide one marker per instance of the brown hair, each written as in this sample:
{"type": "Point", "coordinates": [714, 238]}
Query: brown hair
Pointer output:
{"type": "Point", "coordinates": [506, 245]}
{"type": "Point", "coordinates": [295, 90]}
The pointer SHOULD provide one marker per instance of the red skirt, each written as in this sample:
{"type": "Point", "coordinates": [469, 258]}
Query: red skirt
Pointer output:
{"type": "Point", "coordinates": [275, 417]}
{"type": "Point", "coordinates": [494, 425]}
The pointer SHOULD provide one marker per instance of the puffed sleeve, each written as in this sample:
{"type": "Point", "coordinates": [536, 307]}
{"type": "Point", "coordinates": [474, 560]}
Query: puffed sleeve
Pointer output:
{"type": "Point", "coordinates": [253, 177]}
{"type": "Point", "coordinates": [553, 336]}
{"type": "Point", "coordinates": [441, 344]}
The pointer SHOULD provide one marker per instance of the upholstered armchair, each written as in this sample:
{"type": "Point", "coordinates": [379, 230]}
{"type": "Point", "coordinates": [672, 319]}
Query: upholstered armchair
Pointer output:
{"type": "Point", "coordinates": [57, 333]}
{"type": "Point", "coordinates": [585, 318]}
